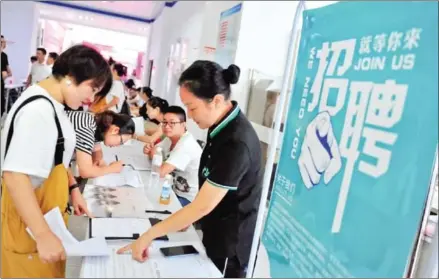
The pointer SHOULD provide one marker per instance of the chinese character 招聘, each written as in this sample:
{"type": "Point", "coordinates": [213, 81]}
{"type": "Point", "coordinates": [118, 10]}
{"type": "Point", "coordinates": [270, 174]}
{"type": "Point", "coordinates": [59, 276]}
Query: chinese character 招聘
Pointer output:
{"type": "Point", "coordinates": [329, 69]}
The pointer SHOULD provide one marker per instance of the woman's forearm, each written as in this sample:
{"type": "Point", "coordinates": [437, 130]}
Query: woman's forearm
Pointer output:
{"type": "Point", "coordinates": [94, 171]}
{"type": "Point", "coordinates": [97, 156]}
{"type": "Point", "coordinates": [23, 195]}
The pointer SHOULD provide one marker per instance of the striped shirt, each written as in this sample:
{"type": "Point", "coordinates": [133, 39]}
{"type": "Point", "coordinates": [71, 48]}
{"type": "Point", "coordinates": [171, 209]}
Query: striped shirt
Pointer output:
{"type": "Point", "coordinates": [84, 124]}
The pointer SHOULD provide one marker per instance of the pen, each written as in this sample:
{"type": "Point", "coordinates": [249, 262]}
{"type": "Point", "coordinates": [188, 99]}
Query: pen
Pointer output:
{"type": "Point", "coordinates": [117, 159]}
{"type": "Point", "coordinates": [128, 165]}
{"type": "Point", "coordinates": [158, 211]}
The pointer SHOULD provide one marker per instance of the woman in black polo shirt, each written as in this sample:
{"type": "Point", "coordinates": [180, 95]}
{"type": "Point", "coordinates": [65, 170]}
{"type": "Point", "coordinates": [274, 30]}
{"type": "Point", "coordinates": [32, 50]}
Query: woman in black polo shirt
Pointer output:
{"type": "Point", "coordinates": [229, 172]}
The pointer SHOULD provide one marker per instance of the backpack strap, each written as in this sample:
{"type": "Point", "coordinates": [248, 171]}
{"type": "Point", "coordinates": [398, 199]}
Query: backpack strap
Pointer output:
{"type": "Point", "coordinates": [59, 149]}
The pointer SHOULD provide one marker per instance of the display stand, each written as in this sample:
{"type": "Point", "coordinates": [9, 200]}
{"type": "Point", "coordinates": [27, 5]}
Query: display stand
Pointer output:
{"type": "Point", "coordinates": [290, 76]}
{"type": "Point", "coordinates": [289, 73]}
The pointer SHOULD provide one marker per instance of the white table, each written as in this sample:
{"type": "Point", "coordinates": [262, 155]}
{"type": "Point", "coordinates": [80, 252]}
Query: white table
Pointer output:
{"type": "Point", "coordinates": [105, 267]}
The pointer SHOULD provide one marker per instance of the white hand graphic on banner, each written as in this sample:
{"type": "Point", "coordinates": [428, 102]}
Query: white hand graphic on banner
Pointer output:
{"type": "Point", "coordinates": [319, 153]}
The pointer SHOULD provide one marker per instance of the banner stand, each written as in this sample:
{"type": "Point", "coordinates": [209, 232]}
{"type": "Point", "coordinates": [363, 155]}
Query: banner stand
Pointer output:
{"type": "Point", "coordinates": [413, 262]}
{"type": "Point", "coordinates": [289, 75]}
{"type": "Point", "coordinates": [289, 79]}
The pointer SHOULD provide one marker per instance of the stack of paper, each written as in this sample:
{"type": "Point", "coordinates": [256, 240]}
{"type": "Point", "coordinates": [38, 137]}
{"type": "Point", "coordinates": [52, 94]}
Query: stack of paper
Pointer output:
{"type": "Point", "coordinates": [118, 227]}
{"type": "Point", "coordinates": [90, 247]}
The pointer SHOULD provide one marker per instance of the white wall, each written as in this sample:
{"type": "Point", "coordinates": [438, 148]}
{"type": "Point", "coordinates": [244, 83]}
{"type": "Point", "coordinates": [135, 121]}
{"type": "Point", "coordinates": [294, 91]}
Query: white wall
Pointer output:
{"type": "Point", "coordinates": [184, 20]}
{"type": "Point", "coordinates": [263, 41]}
{"type": "Point", "coordinates": [196, 22]}
{"type": "Point", "coordinates": [117, 40]}
{"type": "Point", "coordinates": [19, 22]}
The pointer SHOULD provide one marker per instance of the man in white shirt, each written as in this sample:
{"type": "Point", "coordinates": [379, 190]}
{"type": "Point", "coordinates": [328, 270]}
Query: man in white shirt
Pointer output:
{"type": "Point", "coordinates": [182, 155]}
{"type": "Point", "coordinates": [116, 96]}
{"type": "Point", "coordinates": [39, 69]}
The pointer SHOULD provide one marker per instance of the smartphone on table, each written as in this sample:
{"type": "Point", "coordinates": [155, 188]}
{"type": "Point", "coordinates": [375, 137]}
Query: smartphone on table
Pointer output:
{"type": "Point", "coordinates": [178, 250]}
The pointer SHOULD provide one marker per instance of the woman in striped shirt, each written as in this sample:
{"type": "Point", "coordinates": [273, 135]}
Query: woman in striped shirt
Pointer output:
{"type": "Point", "coordinates": [109, 127]}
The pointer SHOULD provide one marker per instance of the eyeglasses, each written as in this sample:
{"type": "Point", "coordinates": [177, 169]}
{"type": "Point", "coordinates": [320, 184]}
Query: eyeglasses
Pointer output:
{"type": "Point", "coordinates": [171, 124]}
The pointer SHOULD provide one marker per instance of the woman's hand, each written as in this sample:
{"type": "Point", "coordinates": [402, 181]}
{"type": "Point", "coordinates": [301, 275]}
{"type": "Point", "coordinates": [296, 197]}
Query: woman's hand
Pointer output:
{"type": "Point", "coordinates": [50, 248]}
{"type": "Point", "coordinates": [116, 167]}
{"type": "Point", "coordinates": [139, 248]}
{"type": "Point", "coordinates": [148, 148]}
{"type": "Point", "coordinates": [79, 203]}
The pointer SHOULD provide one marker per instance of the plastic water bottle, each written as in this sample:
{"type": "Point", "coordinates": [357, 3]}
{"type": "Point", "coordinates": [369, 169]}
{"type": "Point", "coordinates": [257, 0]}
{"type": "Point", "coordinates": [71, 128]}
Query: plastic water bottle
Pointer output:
{"type": "Point", "coordinates": [157, 161]}
{"type": "Point", "coordinates": [165, 196]}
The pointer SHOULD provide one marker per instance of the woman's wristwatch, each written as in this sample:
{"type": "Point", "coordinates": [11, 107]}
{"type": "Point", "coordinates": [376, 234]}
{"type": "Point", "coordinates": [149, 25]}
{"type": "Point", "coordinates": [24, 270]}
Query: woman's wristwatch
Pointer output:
{"type": "Point", "coordinates": [72, 187]}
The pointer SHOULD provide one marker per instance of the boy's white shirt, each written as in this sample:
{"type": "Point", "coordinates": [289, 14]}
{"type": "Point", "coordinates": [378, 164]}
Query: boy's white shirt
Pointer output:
{"type": "Point", "coordinates": [185, 157]}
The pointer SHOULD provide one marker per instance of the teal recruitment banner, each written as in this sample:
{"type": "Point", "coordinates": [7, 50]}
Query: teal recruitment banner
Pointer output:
{"type": "Point", "coordinates": [359, 142]}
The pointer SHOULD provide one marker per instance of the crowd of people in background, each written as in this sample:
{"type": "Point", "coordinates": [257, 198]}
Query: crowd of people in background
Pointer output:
{"type": "Point", "coordinates": [76, 102]}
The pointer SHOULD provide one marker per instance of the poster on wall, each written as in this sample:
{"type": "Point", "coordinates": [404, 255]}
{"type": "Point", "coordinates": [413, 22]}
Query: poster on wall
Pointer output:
{"type": "Point", "coordinates": [230, 21]}
{"type": "Point", "coordinates": [359, 143]}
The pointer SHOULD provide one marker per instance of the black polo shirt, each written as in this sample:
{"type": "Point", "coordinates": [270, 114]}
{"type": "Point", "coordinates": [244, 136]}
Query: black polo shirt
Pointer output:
{"type": "Point", "coordinates": [4, 65]}
{"type": "Point", "coordinates": [231, 159]}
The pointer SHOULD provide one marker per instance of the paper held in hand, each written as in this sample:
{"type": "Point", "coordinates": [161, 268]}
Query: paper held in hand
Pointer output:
{"type": "Point", "coordinates": [96, 246]}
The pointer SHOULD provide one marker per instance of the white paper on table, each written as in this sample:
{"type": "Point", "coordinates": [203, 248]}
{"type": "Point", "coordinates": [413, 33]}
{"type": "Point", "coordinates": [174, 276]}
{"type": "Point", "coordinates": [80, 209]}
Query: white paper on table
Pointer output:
{"type": "Point", "coordinates": [127, 177]}
{"type": "Point", "coordinates": [138, 162]}
{"type": "Point", "coordinates": [184, 266]}
{"type": "Point", "coordinates": [73, 247]}
{"type": "Point", "coordinates": [118, 227]}
{"type": "Point", "coordinates": [129, 154]}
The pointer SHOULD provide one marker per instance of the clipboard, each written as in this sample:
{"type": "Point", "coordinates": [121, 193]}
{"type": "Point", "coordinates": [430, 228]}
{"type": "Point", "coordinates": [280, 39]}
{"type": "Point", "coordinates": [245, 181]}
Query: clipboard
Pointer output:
{"type": "Point", "coordinates": [126, 232]}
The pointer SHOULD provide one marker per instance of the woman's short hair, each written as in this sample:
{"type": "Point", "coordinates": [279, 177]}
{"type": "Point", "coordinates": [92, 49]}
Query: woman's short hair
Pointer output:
{"type": "Point", "coordinates": [157, 102]}
{"type": "Point", "coordinates": [205, 79]}
{"type": "Point", "coordinates": [107, 118]}
{"type": "Point", "coordinates": [83, 63]}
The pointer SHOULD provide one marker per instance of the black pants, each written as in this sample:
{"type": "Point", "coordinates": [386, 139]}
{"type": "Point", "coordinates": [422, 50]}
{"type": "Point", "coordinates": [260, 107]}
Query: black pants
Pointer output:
{"type": "Point", "coordinates": [234, 268]}
{"type": "Point", "coordinates": [3, 100]}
